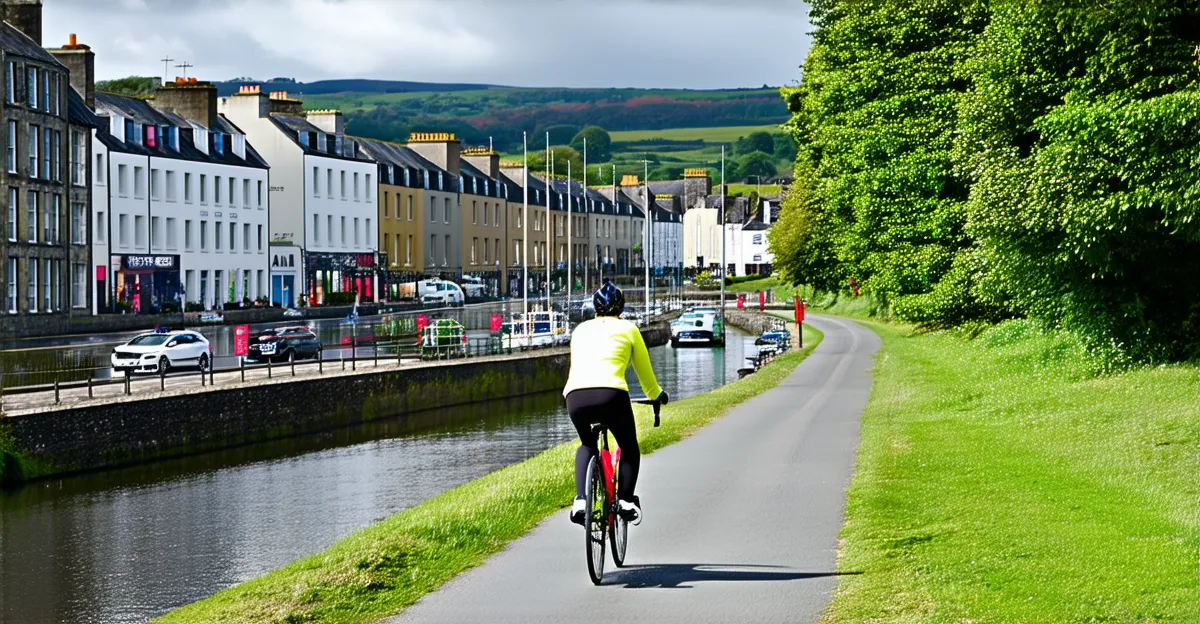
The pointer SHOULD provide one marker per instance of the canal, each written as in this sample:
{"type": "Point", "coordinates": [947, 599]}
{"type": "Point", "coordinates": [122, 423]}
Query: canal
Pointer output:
{"type": "Point", "coordinates": [125, 545]}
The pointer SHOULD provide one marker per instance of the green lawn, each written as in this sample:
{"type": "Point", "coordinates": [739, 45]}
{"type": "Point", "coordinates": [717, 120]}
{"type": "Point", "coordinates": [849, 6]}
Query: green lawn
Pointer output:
{"type": "Point", "coordinates": [999, 480]}
{"type": "Point", "coordinates": [379, 570]}
{"type": "Point", "coordinates": [727, 134]}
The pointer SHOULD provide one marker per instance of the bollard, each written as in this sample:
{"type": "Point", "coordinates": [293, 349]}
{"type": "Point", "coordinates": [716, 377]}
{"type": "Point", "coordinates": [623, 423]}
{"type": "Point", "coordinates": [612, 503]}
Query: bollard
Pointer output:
{"type": "Point", "coordinates": [162, 379]}
{"type": "Point", "coordinates": [242, 363]}
{"type": "Point", "coordinates": [342, 357]}
{"type": "Point", "coordinates": [270, 368]}
{"type": "Point", "coordinates": [90, 386]}
{"type": "Point", "coordinates": [292, 359]}
{"type": "Point", "coordinates": [57, 399]}
{"type": "Point", "coordinates": [353, 353]}
{"type": "Point", "coordinates": [321, 362]}
{"type": "Point", "coordinates": [212, 373]}
{"type": "Point", "coordinates": [203, 379]}
{"type": "Point", "coordinates": [128, 390]}
{"type": "Point", "coordinates": [375, 352]}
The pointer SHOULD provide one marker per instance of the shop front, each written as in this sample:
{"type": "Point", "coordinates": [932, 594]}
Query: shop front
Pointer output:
{"type": "Point", "coordinates": [146, 284]}
{"type": "Point", "coordinates": [340, 279]}
{"type": "Point", "coordinates": [285, 275]}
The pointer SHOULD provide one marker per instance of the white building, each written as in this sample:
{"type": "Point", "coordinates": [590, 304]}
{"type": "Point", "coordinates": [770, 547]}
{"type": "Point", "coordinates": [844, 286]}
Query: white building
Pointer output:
{"type": "Point", "coordinates": [324, 200]}
{"type": "Point", "coordinates": [666, 249]}
{"type": "Point", "coordinates": [180, 205]}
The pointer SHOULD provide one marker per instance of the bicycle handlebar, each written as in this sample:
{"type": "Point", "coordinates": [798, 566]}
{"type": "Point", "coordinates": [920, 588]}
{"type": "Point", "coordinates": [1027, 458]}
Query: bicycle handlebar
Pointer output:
{"type": "Point", "coordinates": [657, 408]}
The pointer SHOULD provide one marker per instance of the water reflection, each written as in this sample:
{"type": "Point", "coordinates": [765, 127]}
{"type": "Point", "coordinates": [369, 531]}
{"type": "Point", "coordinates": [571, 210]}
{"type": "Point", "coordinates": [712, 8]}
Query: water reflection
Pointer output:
{"type": "Point", "coordinates": [125, 545]}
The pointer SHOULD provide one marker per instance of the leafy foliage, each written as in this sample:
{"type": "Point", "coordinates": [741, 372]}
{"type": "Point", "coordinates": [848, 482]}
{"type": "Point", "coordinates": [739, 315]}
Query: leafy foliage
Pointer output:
{"type": "Point", "coordinates": [599, 143]}
{"type": "Point", "coordinates": [758, 165]}
{"type": "Point", "coordinates": [966, 160]}
{"type": "Point", "coordinates": [132, 85]}
{"type": "Point", "coordinates": [756, 142]}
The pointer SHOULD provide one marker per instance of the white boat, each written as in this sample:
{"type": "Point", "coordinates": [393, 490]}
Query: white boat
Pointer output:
{"type": "Point", "coordinates": [697, 328]}
{"type": "Point", "coordinates": [544, 329]}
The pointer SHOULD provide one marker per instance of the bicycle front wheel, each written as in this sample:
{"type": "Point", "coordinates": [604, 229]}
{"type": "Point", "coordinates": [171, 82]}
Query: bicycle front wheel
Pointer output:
{"type": "Point", "coordinates": [618, 537]}
{"type": "Point", "coordinates": [597, 521]}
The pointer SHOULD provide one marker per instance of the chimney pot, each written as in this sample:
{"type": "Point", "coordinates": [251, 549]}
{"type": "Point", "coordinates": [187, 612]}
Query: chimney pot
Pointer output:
{"type": "Point", "coordinates": [72, 40]}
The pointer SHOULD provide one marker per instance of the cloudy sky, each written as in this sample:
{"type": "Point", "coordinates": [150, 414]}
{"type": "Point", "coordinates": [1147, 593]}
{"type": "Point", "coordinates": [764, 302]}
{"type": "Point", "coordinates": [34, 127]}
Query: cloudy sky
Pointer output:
{"type": "Point", "coordinates": [578, 43]}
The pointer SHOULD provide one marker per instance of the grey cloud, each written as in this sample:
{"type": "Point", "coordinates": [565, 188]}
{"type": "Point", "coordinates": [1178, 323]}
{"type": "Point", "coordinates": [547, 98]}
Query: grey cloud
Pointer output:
{"type": "Point", "coordinates": [643, 43]}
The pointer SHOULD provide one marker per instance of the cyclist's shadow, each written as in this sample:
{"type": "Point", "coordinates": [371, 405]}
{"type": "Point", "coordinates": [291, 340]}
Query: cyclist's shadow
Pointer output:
{"type": "Point", "coordinates": [681, 575]}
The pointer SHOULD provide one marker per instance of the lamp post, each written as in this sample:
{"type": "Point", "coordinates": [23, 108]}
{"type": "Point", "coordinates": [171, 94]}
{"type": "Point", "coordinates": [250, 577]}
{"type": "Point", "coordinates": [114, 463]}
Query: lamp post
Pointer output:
{"type": "Point", "coordinates": [721, 220]}
{"type": "Point", "coordinates": [525, 243]}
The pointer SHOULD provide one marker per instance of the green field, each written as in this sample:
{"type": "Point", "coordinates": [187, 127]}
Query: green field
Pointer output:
{"type": "Point", "coordinates": [727, 134]}
{"type": "Point", "coordinates": [1001, 480]}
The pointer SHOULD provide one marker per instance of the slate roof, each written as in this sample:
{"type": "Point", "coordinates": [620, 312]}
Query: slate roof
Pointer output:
{"type": "Point", "coordinates": [469, 172]}
{"type": "Point", "coordinates": [394, 159]}
{"type": "Point", "coordinates": [78, 113]}
{"type": "Point", "coordinates": [292, 126]}
{"type": "Point", "coordinates": [16, 43]}
{"type": "Point", "coordinates": [142, 112]}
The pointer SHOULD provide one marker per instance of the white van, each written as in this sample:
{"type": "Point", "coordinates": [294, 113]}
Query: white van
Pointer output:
{"type": "Point", "coordinates": [441, 293]}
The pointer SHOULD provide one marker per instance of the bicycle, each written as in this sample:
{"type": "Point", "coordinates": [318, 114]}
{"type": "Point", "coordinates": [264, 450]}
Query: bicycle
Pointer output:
{"type": "Point", "coordinates": [603, 520]}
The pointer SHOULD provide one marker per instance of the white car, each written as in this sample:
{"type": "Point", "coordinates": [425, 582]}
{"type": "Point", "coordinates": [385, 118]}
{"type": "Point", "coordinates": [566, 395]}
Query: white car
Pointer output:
{"type": "Point", "coordinates": [439, 292]}
{"type": "Point", "coordinates": [159, 352]}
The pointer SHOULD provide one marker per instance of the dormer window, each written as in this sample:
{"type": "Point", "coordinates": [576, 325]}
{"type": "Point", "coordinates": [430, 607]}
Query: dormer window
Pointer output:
{"type": "Point", "coordinates": [303, 139]}
{"type": "Point", "coordinates": [218, 142]}
{"type": "Point", "coordinates": [151, 136]}
{"type": "Point", "coordinates": [320, 146]}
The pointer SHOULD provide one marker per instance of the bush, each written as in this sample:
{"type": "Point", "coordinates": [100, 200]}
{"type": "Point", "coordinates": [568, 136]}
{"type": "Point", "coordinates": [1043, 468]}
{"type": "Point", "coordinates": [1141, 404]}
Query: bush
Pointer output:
{"type": "Point", "coordinates": [193, 306]}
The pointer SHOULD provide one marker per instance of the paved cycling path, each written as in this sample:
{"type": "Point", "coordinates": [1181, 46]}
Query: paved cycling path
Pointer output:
{"type": "Point", "coordinates": [741, 519]}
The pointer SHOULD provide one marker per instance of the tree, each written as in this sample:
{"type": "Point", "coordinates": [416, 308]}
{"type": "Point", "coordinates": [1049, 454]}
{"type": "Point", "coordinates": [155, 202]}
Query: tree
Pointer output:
{"type": "Point", "coordinates": [758, 164]}
{"type": "Point", "coordinates": [559, 135]}
{"type": "Point", "coordinates": [599, 143]}
{"type": "Point", "coordinates": [131, 85]}
{"type": "Point", "coordinates": [785, 147]}
{"type": "Point", "coordinates": [756, 142]}
{"type": "Point", "coordinates": [562, 155]}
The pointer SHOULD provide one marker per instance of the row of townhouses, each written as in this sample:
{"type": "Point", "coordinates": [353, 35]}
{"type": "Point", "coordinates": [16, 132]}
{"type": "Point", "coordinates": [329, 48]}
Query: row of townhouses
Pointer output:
{"type": "Point", "coordinates": [185, 200]}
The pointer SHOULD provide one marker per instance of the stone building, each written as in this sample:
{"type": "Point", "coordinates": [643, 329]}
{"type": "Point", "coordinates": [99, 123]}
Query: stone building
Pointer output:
{"type": "Point", "coordinates": [403, 179]}
{"type": "Point", "coordinates": [35, 108]}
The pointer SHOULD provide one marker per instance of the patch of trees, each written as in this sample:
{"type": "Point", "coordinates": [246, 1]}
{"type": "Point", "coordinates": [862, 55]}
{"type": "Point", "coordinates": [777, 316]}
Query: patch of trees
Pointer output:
{"type": "Point", "coordinates": [131, 85]}
{"type": "Point", "coordinates": [973, 160]}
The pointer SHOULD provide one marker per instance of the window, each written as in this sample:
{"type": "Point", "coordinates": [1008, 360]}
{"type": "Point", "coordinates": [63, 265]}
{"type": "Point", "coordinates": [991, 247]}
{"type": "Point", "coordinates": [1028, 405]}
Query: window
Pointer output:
{"type": "Point", "coordinates": [246, 237]}
{"type": "Point", "coordinates": [316, 182]}
{"type": "Point", "coordinates": [485, 213]}
{"type": "Point", "coordinates": [474, 247]}
{"type": "Point", "coordinates": [316, 229]}
{"type": "Point", "coordinates": [31, 211]}
{"type": "Point", "coordinates": [100, 172]}
{"type": "Point", "coordinates": [260, 239]}
{"type": "Point", "coordinates": [12, 213]}
{"type": "Point", "coordinates": [485, 251]}
{"type": "Point", "coordinates": [12, 146]}
{"type": "Point", "coordinates": [46, 90]}
{"type": "Point", "coordinates": [31, 80]}
{"type": "Point", "coordinates": [78, 158]}
{"type": "Point", "coordinates": [203, 189]}
{"type": "Point", "coordinates": [432, 210]}
{"type": "Point", "coordinates": [139, 182]}
{"type": "Point", "coordinates": [329, 183]}
{"type": "Point", "coordinates": [31, 292]}
{"type": "Point", "coordinates": [217, 240]}
{"type": "Point", "coordinates": [367, 188]}
{"type": "Point", "coordinates": [432, 248]}
{"type": "Point", "coordinates": [139, 231]}
{"type": "Point", "coordinates": [370, 235]}
{"type": "Point", "coordinates": [245, 193]}
{"type": "Point", "coordinates": [171, 190]}
{"type": "Point", "coordinates": [355, 186]}
{"type": "Point", "coordinates": [56, 223]}
{"type": "Point", "coordinates": [474, 213]}
{"type": "Point", "coordinates": [12, 282]}
{"type": "Point", "coordinates": [446, 252]}
{"type": "Point", "coordinates": [48, 282]}
{"type": "Point", "coordinates": [410, 208]}
{"type": "Point", "coordinates": [343, 185]}
{"type": "Point", "coordinates": [47, 173]}
{"type": "Point", "coordinates": [357, 242]}
{"type": "Point", "coordinates": [204, 238]}
{"type": "Point", "coordinates": [233, 238]}
{"type": "Point", "coordinates": [329, 229]}
{"type": "Point", "coordinates": [100, 228]}
{"type": "Point", "coordinates": [10, 86]}
{"type": "Point", "coordinates": [260, 195]}
{"type": "Point", "coordinates": [187, 187]}
{"type": "Point", "coordinates": [446, 209]}
{"type": "Point", "coordinates": [155, 184]}
{"type": "Point", "coordinates": [34, 132]}
{"type": "Point", "coordinates": [217, 191]}
{"type": "Point", "coordinates": [386, 208]}
{"type": "Point", "coordinates": [78, 286]}
{"type": "Point", "coordinates": [408, 251]}
{"type": "Point", "coordinates": [232, 188]}
{"type": "Point", "coordinates": [343, 231]}
{"type": "Point", "coordinates": [172, 234]}
{"type": "Point", "coordinates": [188, 240]}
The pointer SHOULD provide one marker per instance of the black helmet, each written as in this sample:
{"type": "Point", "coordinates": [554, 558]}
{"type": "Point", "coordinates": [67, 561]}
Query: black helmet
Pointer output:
{"type": "Point", "coordinates": [608, 300]}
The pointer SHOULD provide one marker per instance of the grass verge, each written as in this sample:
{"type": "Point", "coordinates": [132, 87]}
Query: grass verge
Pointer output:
{"type": "Point", "coordinates": [379, 570]}
{"type": "Point", "coordinates": [1001, 480]}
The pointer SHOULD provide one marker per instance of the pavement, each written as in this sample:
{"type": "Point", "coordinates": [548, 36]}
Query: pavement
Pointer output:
{"type": "Point", "coordinates": [741, 520]}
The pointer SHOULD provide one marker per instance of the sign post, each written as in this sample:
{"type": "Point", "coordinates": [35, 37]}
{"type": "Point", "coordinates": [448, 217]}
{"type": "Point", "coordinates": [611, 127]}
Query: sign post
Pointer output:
{"type": "Point", "coordinates": [800, 320]}
{"type": "Point", "coordinates": [241, 340]}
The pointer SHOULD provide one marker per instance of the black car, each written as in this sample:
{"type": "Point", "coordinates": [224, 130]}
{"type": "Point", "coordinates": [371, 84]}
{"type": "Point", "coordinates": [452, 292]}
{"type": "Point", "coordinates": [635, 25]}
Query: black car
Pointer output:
{"type": "Point", "coordinates": [284, 345]}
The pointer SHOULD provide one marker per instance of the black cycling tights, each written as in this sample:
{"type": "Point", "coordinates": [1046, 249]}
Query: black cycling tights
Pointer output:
{"type": "Point", "coordinates": [611, 408]}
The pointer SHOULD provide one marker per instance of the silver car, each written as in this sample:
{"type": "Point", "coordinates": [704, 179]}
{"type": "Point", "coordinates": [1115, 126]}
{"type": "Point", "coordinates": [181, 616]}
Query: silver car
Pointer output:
{"type": "Point", "coordinates": [159, 352]}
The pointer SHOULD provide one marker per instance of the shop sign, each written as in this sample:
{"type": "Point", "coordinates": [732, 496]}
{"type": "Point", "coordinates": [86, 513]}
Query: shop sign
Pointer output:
{"type": "Point", "coordinates": [149, 263]}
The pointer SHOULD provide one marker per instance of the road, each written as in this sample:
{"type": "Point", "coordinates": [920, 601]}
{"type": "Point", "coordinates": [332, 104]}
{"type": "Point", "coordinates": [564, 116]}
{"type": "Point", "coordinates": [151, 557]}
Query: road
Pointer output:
{"type": "Point", "coordinates": [741, 520]}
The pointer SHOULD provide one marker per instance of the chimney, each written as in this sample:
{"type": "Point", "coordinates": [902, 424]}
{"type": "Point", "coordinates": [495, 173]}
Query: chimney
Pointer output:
{"type": "Point", "coordinates": [190, 99]}
{"type": "Point", "coordinates": [25, 16]}
{"type": "Point", "coordinates": [484, 159]}
{"type": "Point", "coordinates": [246, 105]}
{"type": "Point", "coordinates": [329, 121]}
{"type": "Point", "coordinates": [696, 185]}
{"type": "Point", "coordinates": [513, 170]}
{"type": "Point", "coordinates": [81, 63]}
{"type": "Point", "coordinates": [284, 105]}
{"type": "Point", "coordinates": [440, 148]}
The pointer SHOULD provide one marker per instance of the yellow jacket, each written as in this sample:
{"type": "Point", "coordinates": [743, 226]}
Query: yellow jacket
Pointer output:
{"type": "Point", "coordinates": [601, 350]}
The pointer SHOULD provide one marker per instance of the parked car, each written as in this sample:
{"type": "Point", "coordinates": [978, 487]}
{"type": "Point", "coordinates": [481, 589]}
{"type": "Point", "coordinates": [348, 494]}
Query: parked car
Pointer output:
{"type": "Point", "coordinates": [472, 286]}
{"type": "Point", "coordinates": [441, 293]}
{"type": "Point", "coordinates": [159, 352]}
{"type": "Point", "coordinates": [284, 345]}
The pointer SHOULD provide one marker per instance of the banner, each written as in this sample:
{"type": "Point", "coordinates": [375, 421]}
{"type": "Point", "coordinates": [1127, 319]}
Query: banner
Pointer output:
{"type": "Point", "coordinates": [241, 340]}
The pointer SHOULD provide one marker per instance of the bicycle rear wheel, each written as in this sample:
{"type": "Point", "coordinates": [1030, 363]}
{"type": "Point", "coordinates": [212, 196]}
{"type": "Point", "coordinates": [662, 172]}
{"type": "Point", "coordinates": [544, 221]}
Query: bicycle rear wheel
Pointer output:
{"type": "Point", "coordinates": [597, 521]}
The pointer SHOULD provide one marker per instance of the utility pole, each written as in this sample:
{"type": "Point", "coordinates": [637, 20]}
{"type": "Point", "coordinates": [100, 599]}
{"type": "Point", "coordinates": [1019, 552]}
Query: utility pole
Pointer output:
{"type": "Point", "coordinates": [649, 225]}
{"type": "Point", "coordinates": [721, 219]}
{"type": "Point", "coordinates": [525, 242]}
{"type": "Point", "coordinates": [548, 255]}
{"type": "Point", "coordinates": [185, 66]}
{"type": "Point", "coordinates": [166, 61]}
{"type": "Point", "coordinates": [570, 217]}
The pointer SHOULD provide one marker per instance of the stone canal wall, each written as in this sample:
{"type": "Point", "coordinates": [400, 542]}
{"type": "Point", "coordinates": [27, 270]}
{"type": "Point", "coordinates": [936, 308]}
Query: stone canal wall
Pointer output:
{"type": "Point", "coordinates": [153, 427]}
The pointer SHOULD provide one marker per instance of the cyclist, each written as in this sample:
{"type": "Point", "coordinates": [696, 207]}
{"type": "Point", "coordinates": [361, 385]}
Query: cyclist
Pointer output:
{"type": "Point", "coordinates": [596, 392]}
